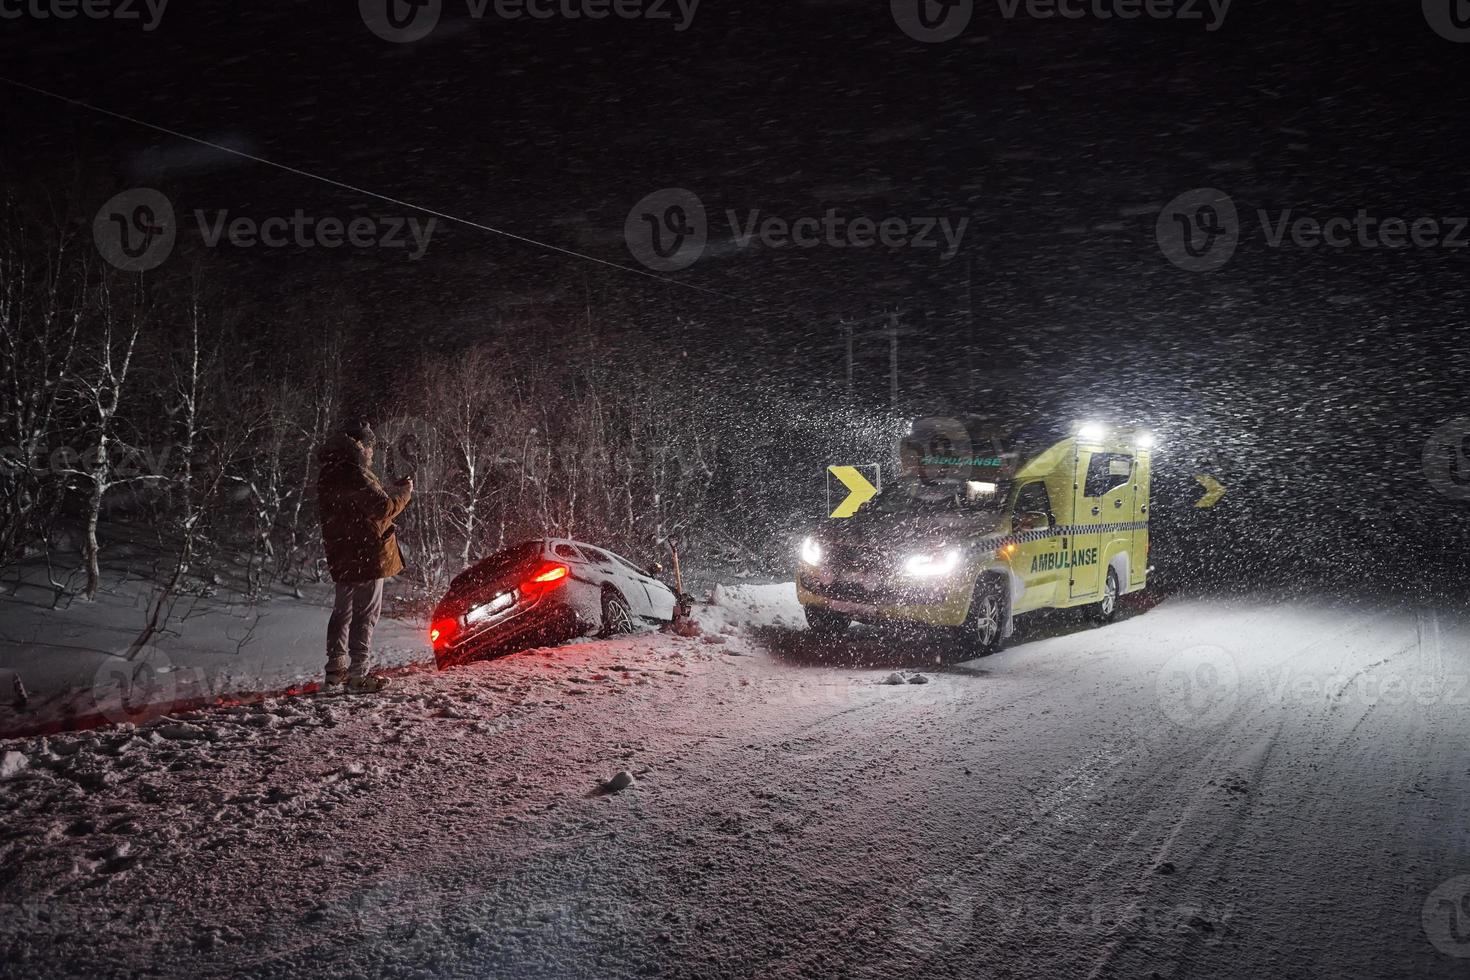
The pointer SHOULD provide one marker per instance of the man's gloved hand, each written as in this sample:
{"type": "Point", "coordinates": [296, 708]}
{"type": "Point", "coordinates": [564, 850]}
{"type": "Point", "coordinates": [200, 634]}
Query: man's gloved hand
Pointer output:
{"type": "Point", "coordinates": [406, 483]}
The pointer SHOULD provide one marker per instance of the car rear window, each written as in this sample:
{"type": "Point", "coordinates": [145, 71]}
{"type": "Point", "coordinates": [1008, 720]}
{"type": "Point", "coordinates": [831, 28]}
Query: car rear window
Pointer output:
{"type": "Point", "coordinates": [498, 564]}
{"type": "Point", "coordinates": [626, 564]}
{"type": "Point", "coordinates": [597, 556]}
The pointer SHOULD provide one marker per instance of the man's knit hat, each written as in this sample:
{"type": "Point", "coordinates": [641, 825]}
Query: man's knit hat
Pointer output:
{"type": "Point", "coordinates": [359, 429]}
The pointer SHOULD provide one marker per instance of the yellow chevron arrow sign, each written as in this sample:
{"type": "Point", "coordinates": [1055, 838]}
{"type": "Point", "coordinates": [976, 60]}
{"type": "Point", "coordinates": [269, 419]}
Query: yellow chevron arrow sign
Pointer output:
{"type": "Point", "coordinates": [860, 491]}
{"type": "Point", "coordinates": [1214, 490]}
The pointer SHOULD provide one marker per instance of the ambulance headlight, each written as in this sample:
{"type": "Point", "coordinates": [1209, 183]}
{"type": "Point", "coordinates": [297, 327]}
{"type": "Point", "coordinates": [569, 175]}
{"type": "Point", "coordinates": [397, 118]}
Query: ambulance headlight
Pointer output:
{"type": "Point", "coordinates": [811, 552]}
{"type": "Point", "coordinates": [931, 565]}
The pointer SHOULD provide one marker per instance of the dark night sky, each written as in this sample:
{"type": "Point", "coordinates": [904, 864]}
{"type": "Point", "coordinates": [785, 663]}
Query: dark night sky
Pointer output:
{"type": "Point", "coordinates": [1059, 140]}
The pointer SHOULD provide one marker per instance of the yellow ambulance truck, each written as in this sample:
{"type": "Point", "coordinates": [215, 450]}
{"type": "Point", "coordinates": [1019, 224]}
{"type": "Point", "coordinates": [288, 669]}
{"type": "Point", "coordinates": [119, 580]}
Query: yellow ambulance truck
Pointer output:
{"type": "Point", "coordinates": [978, 530]}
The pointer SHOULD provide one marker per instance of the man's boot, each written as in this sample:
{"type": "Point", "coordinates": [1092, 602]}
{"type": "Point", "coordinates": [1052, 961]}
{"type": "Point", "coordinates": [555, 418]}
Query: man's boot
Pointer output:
{"type": "Point", "coordinates": [370, 684]}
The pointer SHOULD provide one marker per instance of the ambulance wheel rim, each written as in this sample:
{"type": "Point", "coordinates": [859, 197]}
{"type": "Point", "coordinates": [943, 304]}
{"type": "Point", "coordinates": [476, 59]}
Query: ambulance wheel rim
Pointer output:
{"type": "Point", "coordinates": [1110, 595]}
{"type": "Point", "coordinates": [987, 623]}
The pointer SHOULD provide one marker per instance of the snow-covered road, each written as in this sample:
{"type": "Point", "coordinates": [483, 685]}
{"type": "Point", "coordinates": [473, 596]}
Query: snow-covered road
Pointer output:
{"type": "Point", "coordinates": [1208, 789]}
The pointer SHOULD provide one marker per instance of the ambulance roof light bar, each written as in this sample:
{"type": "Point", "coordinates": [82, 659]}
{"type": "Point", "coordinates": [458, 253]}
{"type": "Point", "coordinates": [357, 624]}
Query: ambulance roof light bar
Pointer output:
{"type": "Point", "coordinates": [1091, 432]}
{"type": "Point", "coordinates": [1145, 440]}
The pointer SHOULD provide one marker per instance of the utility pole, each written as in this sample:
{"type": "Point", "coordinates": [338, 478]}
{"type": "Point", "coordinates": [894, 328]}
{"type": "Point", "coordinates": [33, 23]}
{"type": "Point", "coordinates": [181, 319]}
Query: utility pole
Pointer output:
{"type": "Point", "coordinates": [969, 325]}
{"type": "Point", "coordinates": [892, 360]}
{"type": "Point", "coordinates": [847, 328]}
{"type": "Point", "coordinates": [892, 329]}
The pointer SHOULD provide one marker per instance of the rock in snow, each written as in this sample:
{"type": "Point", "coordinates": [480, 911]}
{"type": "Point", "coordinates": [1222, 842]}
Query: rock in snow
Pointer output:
{"type": "Point", "coordinates": [622, 780]}
{"type": "Point", "coordinates": [918, 679]}
{"type": "Point", "coordinates": [894, 678]}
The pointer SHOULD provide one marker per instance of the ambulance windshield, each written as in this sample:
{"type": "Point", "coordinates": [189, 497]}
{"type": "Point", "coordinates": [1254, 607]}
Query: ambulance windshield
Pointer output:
{"type": "Point", "coordinates": [911, 495]}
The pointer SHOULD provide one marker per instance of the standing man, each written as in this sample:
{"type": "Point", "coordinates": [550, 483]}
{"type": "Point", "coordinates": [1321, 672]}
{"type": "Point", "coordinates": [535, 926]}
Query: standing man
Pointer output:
{"type": "Point", "coordinates": [357, 530]}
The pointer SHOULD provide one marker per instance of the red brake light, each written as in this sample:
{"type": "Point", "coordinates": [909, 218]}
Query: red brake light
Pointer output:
{"type": "Point", "coordinates": [550, 572]}
{"type": "Point", "coordinates": [545, 578]}
{"type": "Point", "coordinates": [443, 631]}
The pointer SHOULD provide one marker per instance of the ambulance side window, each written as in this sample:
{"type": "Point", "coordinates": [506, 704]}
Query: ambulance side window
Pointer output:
{"type": "Point", "coordinates": [1032, 499]}
{"type": "Point", "coordinates": [1107, 471]}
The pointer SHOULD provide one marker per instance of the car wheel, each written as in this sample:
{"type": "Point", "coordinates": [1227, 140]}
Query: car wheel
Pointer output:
{"type": "Point", "coordinates": [1105, 610]}
{"type": "Point", "coordinates": [985, 624]}
{"type": "Point", "coordinates": [825, 621]}
{"type": "Point", "coordinates": [617, 615]}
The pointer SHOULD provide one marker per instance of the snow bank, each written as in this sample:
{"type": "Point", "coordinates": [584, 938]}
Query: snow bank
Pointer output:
{"type": "Point", "coordinates": [742, 606]}
{"type": "Point", "coordinates": [74, 666]}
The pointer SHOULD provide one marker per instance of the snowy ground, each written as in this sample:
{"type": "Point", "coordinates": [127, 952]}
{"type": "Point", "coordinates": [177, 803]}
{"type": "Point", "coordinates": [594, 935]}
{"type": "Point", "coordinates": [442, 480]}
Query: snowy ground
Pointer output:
{"type": "Point", "coordinates": [72, 659]}
{"type": "Point", "coordinates": [1207, 789]}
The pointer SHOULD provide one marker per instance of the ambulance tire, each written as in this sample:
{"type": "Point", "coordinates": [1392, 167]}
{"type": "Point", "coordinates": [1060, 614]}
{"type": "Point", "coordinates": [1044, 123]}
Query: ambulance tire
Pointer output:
{"type": "Point", "coordinates": [984, 631]}
{"type": "Point", "coordinates": [825, 622]}
{"type": "Point", "coordinates": [1106, 609]}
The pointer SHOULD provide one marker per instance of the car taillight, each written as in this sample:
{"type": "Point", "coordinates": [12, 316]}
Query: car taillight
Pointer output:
{"type": "Point", "coordinates": [547, 577]}
{"type": "Point", "coordinates": [443, 632]}
{"type": "Point", "coordinates": [551, 572]}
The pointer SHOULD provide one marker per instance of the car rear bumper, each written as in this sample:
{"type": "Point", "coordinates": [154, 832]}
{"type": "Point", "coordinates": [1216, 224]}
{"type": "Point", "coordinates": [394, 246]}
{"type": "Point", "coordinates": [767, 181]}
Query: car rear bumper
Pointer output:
{"type": "Point", "coordinates": [549, 620]}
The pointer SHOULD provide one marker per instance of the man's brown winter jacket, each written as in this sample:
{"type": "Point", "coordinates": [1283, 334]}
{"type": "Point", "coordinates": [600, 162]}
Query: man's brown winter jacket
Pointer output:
{"type": "Point", "coordinates": [357, 514]}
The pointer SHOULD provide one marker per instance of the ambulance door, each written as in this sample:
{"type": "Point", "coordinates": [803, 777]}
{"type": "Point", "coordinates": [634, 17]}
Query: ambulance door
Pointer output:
{"type": "Point", "coordinates": [1038, 559]}
{"type": "Point", "coordinates": [1138, 551]}
{"type": "Point", "coordinates": [1105, 515]}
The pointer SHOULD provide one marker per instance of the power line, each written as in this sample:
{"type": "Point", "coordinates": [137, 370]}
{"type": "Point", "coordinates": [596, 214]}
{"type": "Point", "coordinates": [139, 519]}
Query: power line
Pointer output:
{"type": "Point", "coordinates": [381, 197]}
